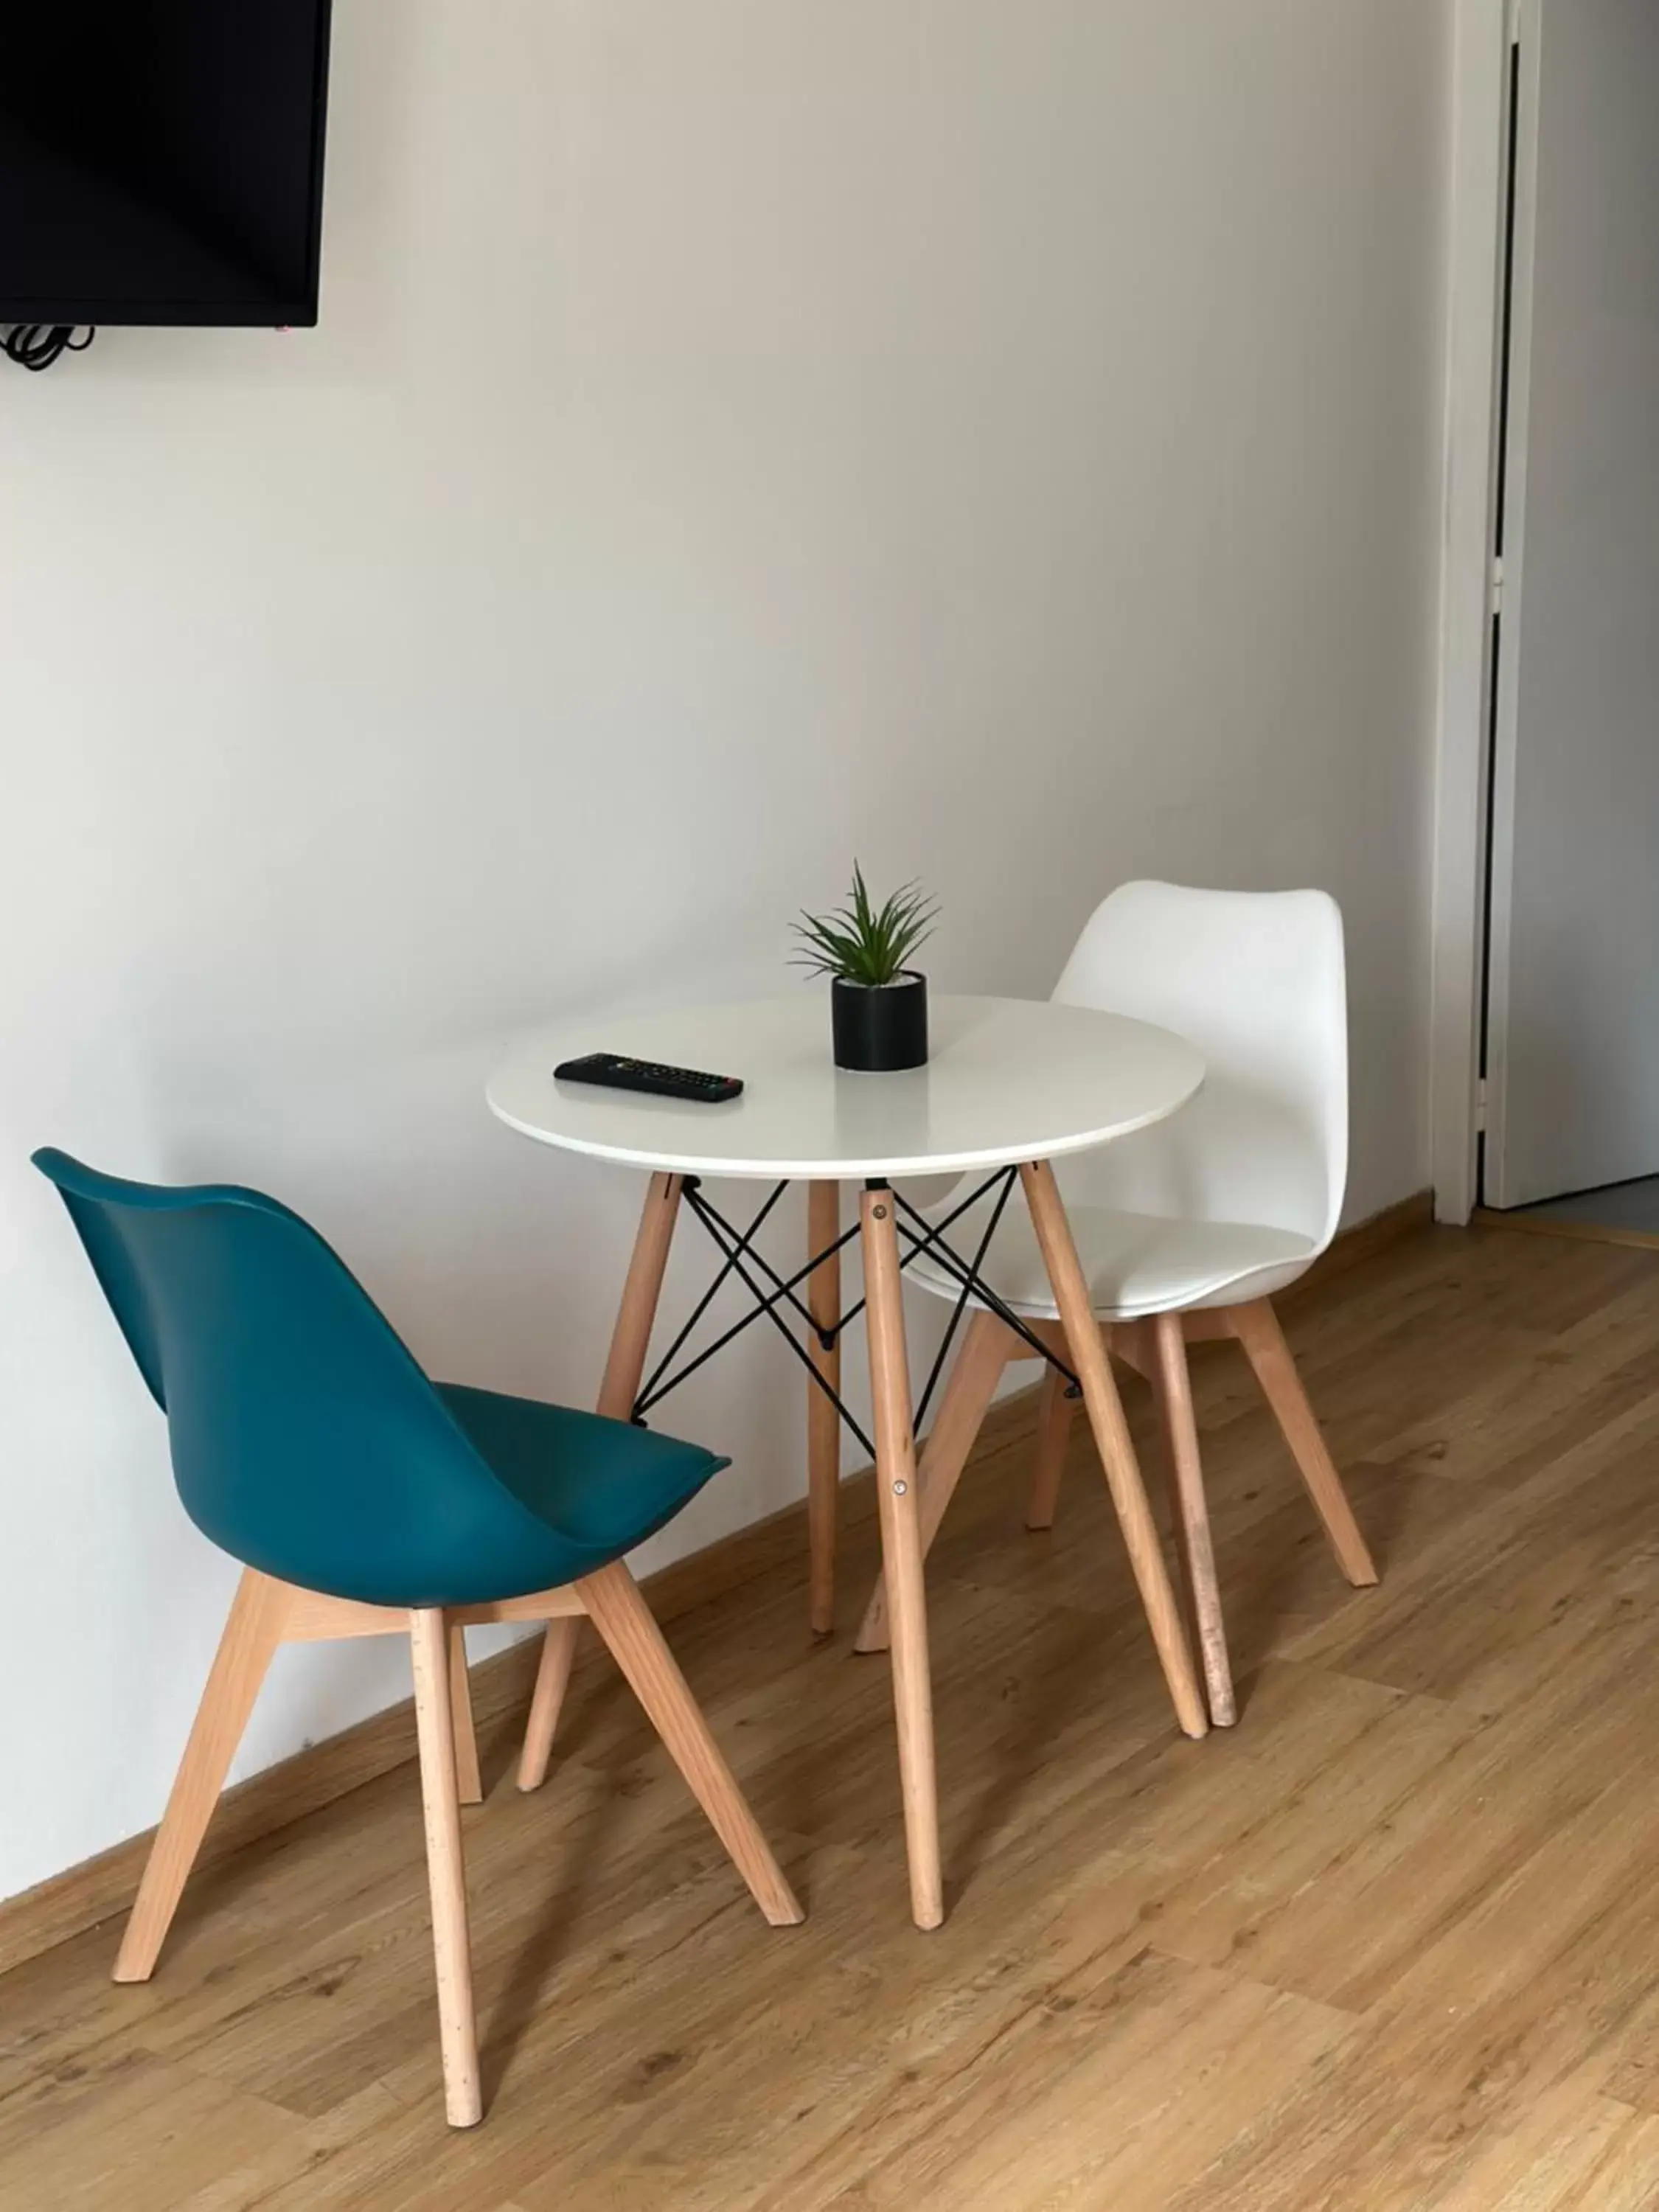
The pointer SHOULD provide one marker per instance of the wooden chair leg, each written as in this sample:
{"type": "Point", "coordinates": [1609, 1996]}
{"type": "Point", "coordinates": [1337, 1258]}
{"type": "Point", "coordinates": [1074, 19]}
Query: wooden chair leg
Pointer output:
{"type": "Point", "coordinates": [1257, 1326]}
{"type": "Point", "coordinates": [1115, 1446]}
{"type": "Point", "coordinates": [251, 1634]}
{"type": "Point", "coordinates": [822, 1421]}
{"type": "Point", "coordinates": [1192, 1515]}
{"type": "Point", "coordinates": [552, 1679]}
{"type": "Point", "coordinates": [468, 1779]}
{"type": "Point", "coordinates": [1054, 1433]}
{"type": "Point", "coordinates": [967, 1395]}
{"type": "Point", "coordinates": [445, 1873]}
{"type": "Point", "coordinates": [629, 1628]}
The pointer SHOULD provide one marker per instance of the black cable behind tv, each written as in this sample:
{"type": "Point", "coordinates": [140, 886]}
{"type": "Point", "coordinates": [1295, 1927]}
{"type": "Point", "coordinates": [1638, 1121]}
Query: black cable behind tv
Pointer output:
{"type": "Point", "coordinates": [37, 345]}
{"type": "Point", "coordinates": [161, 162]}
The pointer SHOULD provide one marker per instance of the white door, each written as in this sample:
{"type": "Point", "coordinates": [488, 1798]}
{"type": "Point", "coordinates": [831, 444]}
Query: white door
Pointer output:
{"type": "Point", "coordinates": [1573, 1036]}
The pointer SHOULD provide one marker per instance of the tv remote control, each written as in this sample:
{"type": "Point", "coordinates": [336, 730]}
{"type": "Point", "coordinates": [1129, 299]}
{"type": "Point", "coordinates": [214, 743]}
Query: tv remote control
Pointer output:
{"type": "Point", "coordinates": [614, 1072]}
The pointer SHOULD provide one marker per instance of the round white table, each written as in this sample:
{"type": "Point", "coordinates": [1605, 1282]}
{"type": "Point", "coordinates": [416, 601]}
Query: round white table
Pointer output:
{"type": "Point", "coordinates": [1011, 1084]}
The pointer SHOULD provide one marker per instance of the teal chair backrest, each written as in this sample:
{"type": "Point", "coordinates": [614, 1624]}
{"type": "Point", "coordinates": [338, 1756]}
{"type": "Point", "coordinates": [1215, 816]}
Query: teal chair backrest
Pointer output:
{"type": "Point", "coordinates": [305, 1440]}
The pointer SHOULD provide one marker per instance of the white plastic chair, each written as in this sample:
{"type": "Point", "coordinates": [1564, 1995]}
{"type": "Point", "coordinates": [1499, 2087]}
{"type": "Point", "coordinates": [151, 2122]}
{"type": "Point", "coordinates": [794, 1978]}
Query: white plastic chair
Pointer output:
{"type": "Point", "coordinates": [1187, 1230]}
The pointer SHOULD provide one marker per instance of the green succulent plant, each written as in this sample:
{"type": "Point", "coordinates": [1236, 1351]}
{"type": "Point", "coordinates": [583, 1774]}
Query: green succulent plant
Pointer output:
{"type": "Point", "coordinates": [862, 942]}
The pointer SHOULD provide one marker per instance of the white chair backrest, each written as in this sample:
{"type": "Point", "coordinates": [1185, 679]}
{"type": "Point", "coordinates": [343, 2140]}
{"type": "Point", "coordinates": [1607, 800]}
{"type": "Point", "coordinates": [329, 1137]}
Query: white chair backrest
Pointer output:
{"type": "Point", "coordinates": [1256, 980]}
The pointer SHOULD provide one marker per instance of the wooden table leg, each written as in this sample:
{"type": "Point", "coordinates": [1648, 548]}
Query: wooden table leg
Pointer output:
{"type": "Point", "coordinates": [822, 1421]}
{"type": "Point", "coordinates": [967, 1398]}
{"type": "Point", "coordinates": [1112, 1438]}
{"type": "Point", "coordinates": [629, 1342]}
{"type": "Point", "coordinates": [637, 1313]}
{"type": "Point", "coordinates": [1053, 1432]}
{"type": "Point", "coordinates": [900, 1545]}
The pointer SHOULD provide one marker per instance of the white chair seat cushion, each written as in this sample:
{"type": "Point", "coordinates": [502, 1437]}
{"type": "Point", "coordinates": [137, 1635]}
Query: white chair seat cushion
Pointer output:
{"type": "Point", "coordinates": [1134, 1263]}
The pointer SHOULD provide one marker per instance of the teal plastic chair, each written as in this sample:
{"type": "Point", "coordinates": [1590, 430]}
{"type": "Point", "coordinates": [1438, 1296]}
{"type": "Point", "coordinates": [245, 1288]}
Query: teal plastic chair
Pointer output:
{"type": "Point", "coordinates": [363, 1500]}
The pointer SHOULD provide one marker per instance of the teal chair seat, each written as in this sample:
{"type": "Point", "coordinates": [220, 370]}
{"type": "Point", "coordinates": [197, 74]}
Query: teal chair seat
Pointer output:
{"type": "Point", "coordinates": [600, 1486]}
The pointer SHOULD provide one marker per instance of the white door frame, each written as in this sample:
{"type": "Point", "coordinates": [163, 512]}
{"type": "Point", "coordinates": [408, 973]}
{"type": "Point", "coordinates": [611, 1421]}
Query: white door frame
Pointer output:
{"type": "Point", "coordinates": [1482, 37]}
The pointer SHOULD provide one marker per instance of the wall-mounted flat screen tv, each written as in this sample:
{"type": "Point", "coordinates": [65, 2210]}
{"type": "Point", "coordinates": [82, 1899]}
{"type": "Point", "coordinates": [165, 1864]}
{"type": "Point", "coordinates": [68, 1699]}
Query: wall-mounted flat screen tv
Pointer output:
{"type": "Point", "coordinates": [161, 161]}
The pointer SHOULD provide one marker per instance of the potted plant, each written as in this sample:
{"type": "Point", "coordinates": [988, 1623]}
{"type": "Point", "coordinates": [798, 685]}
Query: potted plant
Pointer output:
{"type": "Point", "coordinates": [878, 1002]}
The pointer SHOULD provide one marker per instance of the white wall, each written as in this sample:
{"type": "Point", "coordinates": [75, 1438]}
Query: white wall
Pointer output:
{"type": "Point", "coordinates": [998, 440]}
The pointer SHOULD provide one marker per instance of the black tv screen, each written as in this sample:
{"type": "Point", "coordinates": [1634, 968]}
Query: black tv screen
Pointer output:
{"type": "Point", "coordinates": [161, 161]}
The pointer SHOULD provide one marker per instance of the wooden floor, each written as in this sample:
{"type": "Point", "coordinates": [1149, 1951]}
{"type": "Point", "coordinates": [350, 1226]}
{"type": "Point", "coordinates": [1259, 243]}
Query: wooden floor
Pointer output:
{"type": "Point", "coordinates": [1392, 1944]}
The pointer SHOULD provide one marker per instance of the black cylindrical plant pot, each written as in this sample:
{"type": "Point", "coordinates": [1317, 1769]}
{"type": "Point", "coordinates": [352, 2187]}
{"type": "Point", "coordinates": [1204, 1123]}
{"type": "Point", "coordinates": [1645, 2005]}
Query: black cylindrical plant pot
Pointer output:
{"type": "Point", "coordinates": [881, 1027]}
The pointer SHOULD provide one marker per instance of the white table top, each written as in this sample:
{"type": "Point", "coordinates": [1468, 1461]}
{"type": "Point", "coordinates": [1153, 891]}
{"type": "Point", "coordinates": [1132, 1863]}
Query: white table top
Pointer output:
{"type": "Point", "coordinates": [1009, 1079]}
